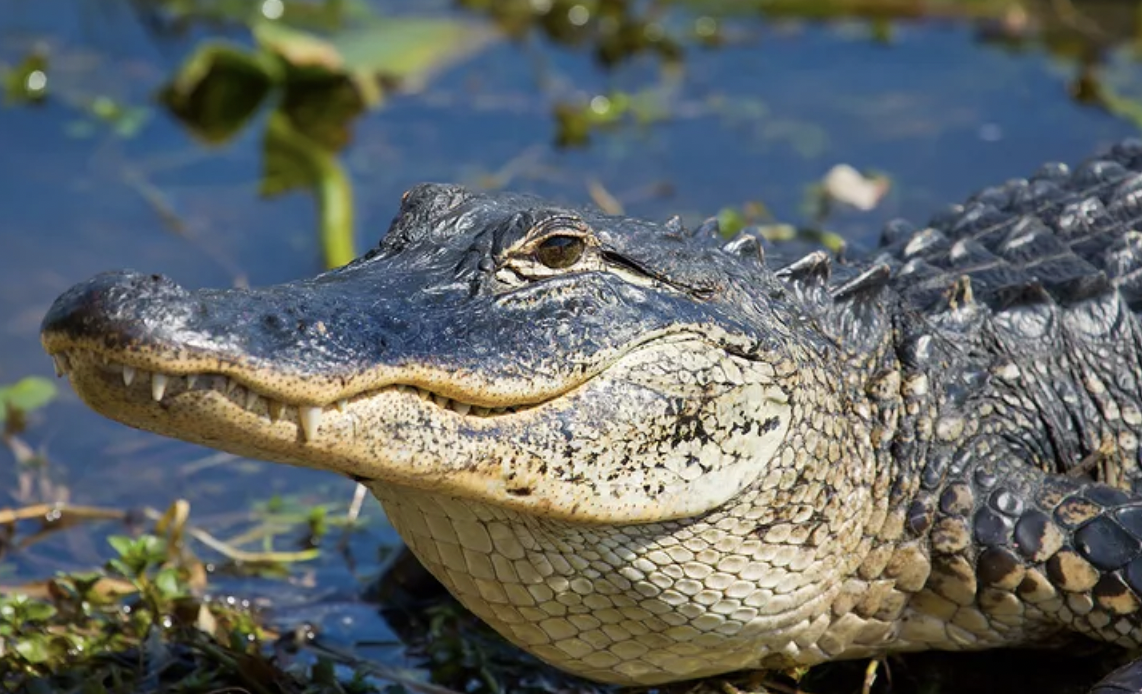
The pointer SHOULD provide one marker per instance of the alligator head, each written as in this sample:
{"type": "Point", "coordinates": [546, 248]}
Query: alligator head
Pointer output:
{"type": "Point", "coordinates": [495, 347]}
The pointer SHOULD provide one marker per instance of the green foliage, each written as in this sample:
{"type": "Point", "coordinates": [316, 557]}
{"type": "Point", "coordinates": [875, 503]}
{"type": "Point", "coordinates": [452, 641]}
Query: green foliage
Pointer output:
{"type": "Point", "coordinates": [25, 395]}
{"type": "Point", "coordinates": [576, 121]}
{"type": "Point", "coordinates": [27, 82]}
{"type": "Point", "coordinates": [91, 632]}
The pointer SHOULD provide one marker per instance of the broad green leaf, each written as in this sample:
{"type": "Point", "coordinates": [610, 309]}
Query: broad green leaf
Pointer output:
{"type": "Point", "coordinates": [122, 544]}
{"type": "Point", "coordinates": [219, 88]}
{"type": "Point", "coordinates": [166, 580]}
{"type": "Point", "coordinates": [35, 649]}
{"type": "Point", "coordinates": [404, 50]}
{"type": "Point", "coordinates": [36, 611]}
{"type": "Point", "coordinates": [28, 81]}
{"type": "Point", "coordinates": [26, 395]}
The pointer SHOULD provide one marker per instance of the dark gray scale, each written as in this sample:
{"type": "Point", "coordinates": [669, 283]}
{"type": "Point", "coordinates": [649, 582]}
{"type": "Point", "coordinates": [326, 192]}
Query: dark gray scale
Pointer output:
{"type": "Point", "coordinates": [1098, 175]}
{"type": "Point", "coordinates": [1053, 171]}
{"type": "Point", "coordinates": [1125, 680]}
{"type": "Point", "coordinates": [928, 284]}
{"type": "Point", "coordinates": [1087, 227]}
{"type": "Point", "coordinates": [1123, 263]}
{"type": "Point", "coordinates": [931, 245]}
{"type": "Point", "coordinates": [1128, 153]}
{"type": "Point", "coordinates": [1040, 192]}
{"type": "Point", "coordinates": [980, 222]}
{"type": "Point", "coordinates": [1125, 202]}
{"type": "Point", "coordinates": [1028, 240]}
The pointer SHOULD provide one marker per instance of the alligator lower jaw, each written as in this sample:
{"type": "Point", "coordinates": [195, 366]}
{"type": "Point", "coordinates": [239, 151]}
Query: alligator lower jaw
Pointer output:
{"type": "Point", "coordinates": [109, 385]}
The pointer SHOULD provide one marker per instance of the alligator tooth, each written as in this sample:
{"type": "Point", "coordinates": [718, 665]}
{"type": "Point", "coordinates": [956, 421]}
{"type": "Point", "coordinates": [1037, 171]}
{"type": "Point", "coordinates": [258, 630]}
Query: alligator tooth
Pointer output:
{"type": "Point", "coordinates": [106, 359]}
{"type": "Point", "coordinates": [309, 417]}
{"type": "Point", "coordinates": [424, 394]}
{"type": "Point", "coordinates": [61, 364]}
{"type": "Point", "coordinates": [441, 400]}
{"type": "Point", "coordinates": [480, 411]}
{"type": "Point", "coordinates": [231, 386]}
{"type": "Point", "coordinates": [461, 407]}
{"type": "Point", "coordinates": [251, 399]}
{"type": "Point", "coordinates": [158, 386]}
{"type": "Point", "coordinates": [191, 379]}
{"type": "Point", "coordinates": [128, 375]}
{"type": "Point", "coordinates": [342, 404]}
{"type": "Point", "coordinates": [275, 409]}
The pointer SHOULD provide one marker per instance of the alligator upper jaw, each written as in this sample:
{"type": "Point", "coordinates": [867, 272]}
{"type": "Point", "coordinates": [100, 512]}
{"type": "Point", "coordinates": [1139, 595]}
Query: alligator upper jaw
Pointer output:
{"type": "Point", "coordinates": [303, 345]}
{"type": "Point", "coordinates": [112, 386]}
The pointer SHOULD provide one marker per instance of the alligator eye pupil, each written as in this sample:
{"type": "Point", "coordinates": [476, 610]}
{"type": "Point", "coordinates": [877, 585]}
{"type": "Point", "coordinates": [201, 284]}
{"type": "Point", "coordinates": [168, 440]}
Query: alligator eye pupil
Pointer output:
{"type": "Point", "coordinates": [558, 252]}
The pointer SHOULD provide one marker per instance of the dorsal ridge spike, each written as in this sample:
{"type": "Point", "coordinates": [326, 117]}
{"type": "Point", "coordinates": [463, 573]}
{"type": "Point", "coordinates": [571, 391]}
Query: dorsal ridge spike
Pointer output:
{"type": "Point", "coordinates": [841, 254]}
{"type": "Point", "coordinates": [746, 244]}
{"type": "Point", "coordinates": [865, 285]}
{"type": "Point", "coordinates": [816, 267]}
{"type": "Point", "coordinates": [674, 225]}
{"type": "Point", "coordinates": [960, 294]}
{"type": "Point", "coordinates": [710, 228]}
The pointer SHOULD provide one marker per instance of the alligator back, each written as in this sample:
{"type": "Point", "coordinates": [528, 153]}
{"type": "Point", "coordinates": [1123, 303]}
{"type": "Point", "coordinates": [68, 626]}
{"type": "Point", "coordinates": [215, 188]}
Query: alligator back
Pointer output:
{"type": "Point", "coordinates": [1038, 284]}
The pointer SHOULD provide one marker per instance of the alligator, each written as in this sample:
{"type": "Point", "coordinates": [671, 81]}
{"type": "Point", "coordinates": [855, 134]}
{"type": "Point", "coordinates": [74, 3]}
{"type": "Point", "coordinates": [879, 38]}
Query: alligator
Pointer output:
{"type": "Point", "coordinates": [647, 453]}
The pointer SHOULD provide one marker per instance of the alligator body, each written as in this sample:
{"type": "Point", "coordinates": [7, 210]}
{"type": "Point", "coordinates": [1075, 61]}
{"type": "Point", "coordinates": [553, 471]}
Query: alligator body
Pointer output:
{"type": "Point", "coordinates": [646, 454]}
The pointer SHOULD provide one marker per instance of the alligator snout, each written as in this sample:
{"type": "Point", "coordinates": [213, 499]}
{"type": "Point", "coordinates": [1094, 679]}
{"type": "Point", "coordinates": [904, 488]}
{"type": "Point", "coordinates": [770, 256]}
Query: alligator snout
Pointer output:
{"type": "Point", "coordinates": [116, 307]}
{"type": "Point", "coordinates": [284, 338]}
{"type": "Point", "coordinates": [128, 311]}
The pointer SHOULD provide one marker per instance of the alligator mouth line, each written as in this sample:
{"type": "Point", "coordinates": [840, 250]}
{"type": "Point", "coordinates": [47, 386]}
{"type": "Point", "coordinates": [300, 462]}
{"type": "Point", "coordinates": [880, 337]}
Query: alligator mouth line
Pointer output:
{"type": "Point", "coordinates": [308, 416]}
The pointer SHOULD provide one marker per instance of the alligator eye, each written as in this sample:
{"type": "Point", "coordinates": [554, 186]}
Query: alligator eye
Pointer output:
{"type": "Point", "coordinates": [559, 252]}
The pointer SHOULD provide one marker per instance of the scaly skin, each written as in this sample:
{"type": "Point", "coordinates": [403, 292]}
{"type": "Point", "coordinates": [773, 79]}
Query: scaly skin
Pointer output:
{"type": "Point", "coordinates": [653, 457]}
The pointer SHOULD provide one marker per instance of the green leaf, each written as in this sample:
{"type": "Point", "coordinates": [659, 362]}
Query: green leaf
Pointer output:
{"type": "Point", "coordinates": [36, 611]}
{"type": "Point", "coordinates": [219, 89]}
{"type": "Point", "coordinates": [407, 50]}
{"type": "Point", "coordinates": [168, 584]}
{"type": "Point", "coordinates": [28, 81]}
{"type": "Point", "coordinates": [120, 567]}
{"type": "Point", "coordinates": [34, 650]}
{"type": "Point", "coordinates": [136, 555]}
{"type": "Point", "coordinates": [122, 544]}
{"type": "Point", "coordinates": [25, 395]}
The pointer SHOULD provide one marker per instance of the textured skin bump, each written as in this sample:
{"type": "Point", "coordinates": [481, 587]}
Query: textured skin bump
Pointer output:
{"type": "Point", "coordinates": [711, 459]}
